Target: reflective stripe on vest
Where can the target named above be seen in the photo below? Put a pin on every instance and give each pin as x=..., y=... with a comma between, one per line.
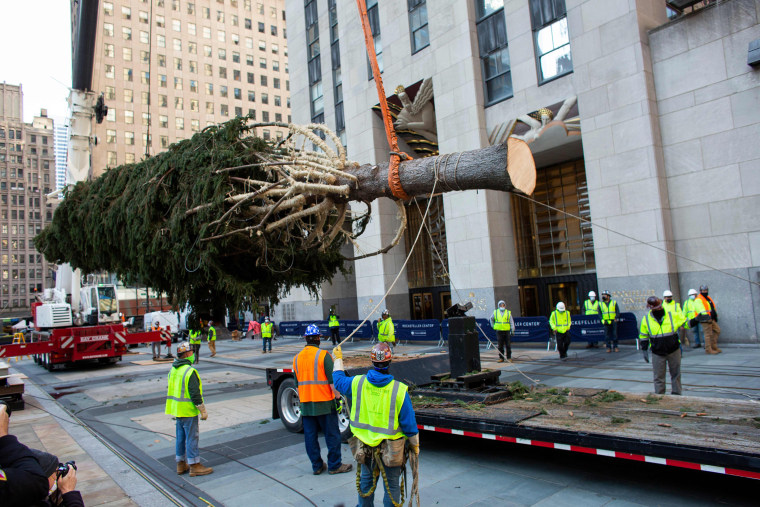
x=591, y=308
x=178, y=401
x=195, y=337
x=266, y=330
x=211, y=334
x=312, y=380
x=333, y=321
x=693, y=307
x=385, y=330
x=377, y=422
x=672, y=307
x=501, y=322
x=608, y=311
x=563, y=326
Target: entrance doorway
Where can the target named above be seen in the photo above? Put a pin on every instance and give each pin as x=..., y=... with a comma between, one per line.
x=429, y=302
x=539, y=296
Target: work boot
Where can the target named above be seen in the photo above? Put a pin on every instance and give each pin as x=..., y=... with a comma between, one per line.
x=198, y=469
x=617, y=349
x=321, y=469
x=182, y=467
x=345, y=467
x=501, y=360
x=609, y=350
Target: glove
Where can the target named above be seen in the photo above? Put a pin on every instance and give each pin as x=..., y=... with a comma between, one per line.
x=202, y=409
x=693, y=322
x=414, y=444
x=714, y=315
x=337, y=352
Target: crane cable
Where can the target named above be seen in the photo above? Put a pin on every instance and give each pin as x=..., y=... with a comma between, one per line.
x=394, y=180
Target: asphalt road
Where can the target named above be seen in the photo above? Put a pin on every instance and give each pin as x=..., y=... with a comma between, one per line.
x=257, y=462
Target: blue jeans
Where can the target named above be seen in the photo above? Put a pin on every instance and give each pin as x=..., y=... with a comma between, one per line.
x=187, y=440
x=329, y=425
x=265, y=342
x=696, y=334
x=394, y=484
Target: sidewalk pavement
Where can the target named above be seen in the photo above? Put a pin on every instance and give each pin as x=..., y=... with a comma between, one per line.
x=44, y=425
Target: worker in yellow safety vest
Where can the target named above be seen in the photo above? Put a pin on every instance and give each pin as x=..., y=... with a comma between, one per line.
x=267, y=330
x=659, y=332
x=334, y=324
x=504, y=325
x=386, y=332
x=211, y=338
x=591, y=307
x=195, y=343
x=184, y=401
x=675, y=307
x=609, y=312
x=559, y=322
x=382, y=420
x=693, y=308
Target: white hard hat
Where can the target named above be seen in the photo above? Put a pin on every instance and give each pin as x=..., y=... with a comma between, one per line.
x=501, y=303
x=692, y=292
x=667, y=294
x=592, y=293
x=561, y=306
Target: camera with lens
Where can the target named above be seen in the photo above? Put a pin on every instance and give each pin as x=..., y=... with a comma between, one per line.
x=63, y=468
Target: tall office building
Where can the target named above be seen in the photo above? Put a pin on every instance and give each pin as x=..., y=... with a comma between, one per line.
x=640, y=118
x=61, y=140
x=27, y=173
x=169, y=68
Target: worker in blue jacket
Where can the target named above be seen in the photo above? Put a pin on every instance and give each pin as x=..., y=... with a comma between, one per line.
x=392, y=419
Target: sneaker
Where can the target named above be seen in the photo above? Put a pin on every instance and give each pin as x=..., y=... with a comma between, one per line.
x=345, y=467
x=321, y=469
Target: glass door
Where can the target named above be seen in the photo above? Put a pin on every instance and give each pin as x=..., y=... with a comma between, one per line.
x=567, y=292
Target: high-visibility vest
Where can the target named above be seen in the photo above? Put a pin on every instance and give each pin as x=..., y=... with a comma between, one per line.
x=692, y=308
x=608, y=311
x=178, y=402
x=310, y=373
x=386, y=332
x=195, y=337
x=651, y=329
x=333, y=321
x=706, y=303
x=266, y=330
x=375, y=410
x=673, y=306
x=211, y=334
x=501, y=320
x=591, y=308
x=560, y=321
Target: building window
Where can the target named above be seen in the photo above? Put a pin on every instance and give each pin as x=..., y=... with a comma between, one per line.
x=374, y=23
x=177, y=44
x=191, y=28
x=265, y=116
x=223, y=91
x=110, y=136
x=314, y=62
x=143, y=16
x=418, y=24
x=108, y=50
x=160, y=21
x=251, y=96
x=179, y=123
x=237, y=93
x=224, y=110
x=145, y=77
x=129, y=117
x=552, y=41
x=235, y=57
x=111, y=162
x=126, y=33
x=262, y=27
x=108, y=8
x=265, y=98
x=128, y=75
x=126, y=54
x=146, y=96
x=176, y=25
x=129, y=138
x=163, y=101
x=163, y=121
x=263, y=80
x=110, y=71
x=161, y=40
x=129, y=96
x=126, y=13
x=494, y=53
x=108, y=29
x=144, y=37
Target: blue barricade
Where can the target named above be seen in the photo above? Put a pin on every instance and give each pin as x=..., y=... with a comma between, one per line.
x=298, y=328
x=589, y=328
x=417, y=330
x=292, y=328
x=485, y=327
x=531, y=329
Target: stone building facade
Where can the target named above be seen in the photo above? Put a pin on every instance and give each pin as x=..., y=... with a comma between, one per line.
x=27, y=173
x=642, y=123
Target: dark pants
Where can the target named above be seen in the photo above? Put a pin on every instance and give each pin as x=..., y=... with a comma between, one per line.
x=335, y=335
x=393, y=490
x=504, y=340
x=196, y=350
x=563, y=342
x=610, y=334
x=329, y=425
x=673, y=363
x=267, y=342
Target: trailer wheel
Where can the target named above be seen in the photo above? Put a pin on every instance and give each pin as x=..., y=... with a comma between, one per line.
x=289, y=406
x=344, y=418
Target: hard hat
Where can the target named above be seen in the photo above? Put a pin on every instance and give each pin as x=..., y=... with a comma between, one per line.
x=704, y=288
x=606, y=293
x=654, y=303
x=667, y=294
x=561, y=306
x=311, y=330
x=266, y=319
x=183, y=347
x=692, y=292
x=592, y=293
x=386, y=312
x=501, y=303
x=381, y=353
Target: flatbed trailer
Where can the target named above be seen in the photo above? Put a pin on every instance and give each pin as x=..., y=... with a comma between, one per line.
x=67, y=346
x=706, y=434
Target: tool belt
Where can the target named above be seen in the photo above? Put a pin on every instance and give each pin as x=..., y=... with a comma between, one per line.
x=703, y=317
x=391, y=451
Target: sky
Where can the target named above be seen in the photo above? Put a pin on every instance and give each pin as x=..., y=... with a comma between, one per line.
x=35, y=37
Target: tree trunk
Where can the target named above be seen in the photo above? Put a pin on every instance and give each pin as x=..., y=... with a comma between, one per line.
x=506, y=167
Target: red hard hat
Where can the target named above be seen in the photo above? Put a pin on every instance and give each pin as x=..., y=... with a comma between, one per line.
x=381, y=353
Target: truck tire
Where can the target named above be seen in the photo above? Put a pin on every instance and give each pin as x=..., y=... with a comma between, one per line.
x=288, y=406
x=344, y=417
